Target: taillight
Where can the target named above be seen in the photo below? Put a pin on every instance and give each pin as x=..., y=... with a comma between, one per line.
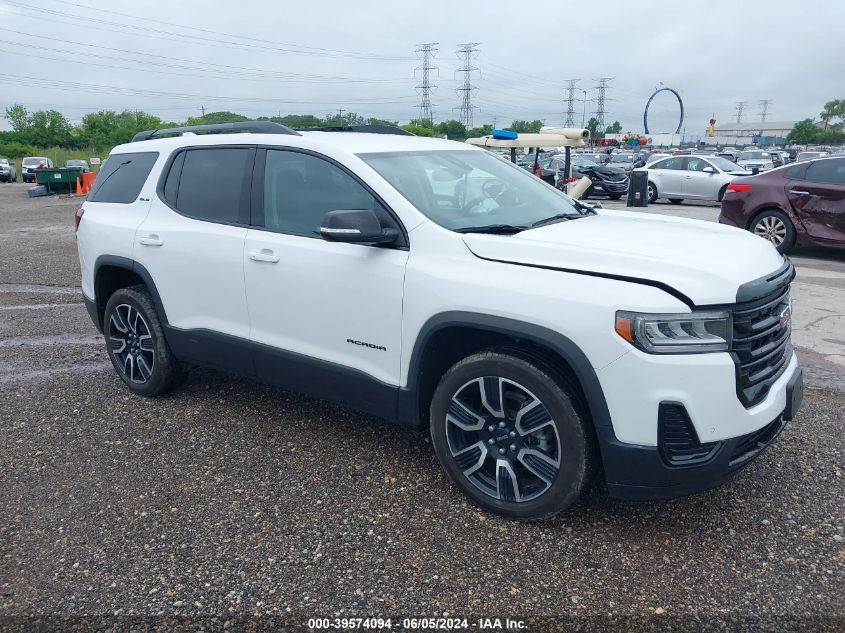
x=77, y=218
x=738, y=187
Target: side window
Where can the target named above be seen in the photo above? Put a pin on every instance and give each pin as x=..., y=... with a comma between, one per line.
x=830, y=171
x=171, y=185
x=676, y=162
x=696, y=164
x=122, y=177
x=299, y=189
x=211, y=184
x=796, y=171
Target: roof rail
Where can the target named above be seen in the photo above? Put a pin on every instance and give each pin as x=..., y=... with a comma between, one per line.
x=367, y=129
x=256, y=127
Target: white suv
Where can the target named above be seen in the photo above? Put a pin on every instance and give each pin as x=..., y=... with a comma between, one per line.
x=540, y=341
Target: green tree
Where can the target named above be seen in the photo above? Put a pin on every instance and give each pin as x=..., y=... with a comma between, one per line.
x=593, y=126
x=614, y=128
x=415, y=127
x=49, y=127
x=833, y=109
x=451, y=129
x=484, y=130
x=803, y=133
x=213, y=118
x=106, y=128
x=526, y=126
x=18, y=117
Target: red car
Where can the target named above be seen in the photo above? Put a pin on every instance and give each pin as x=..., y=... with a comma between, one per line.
x=803, y=203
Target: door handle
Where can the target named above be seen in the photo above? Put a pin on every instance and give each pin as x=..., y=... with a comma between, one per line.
x=264, y=255
x=150, y=240
x=799, y=193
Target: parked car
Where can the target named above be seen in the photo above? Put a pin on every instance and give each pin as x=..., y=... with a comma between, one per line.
x=655, y=157
x=7, y=171
x=755, y=159
x=730, y=153
x=79, y=164
x=536, y=340
x=30, y=164
x=621, y=160
x=802, y=203
x=696, y=177
x=809, y=155
x=607, y=181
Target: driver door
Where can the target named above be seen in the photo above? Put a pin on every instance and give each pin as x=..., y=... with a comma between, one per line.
x=699, y=183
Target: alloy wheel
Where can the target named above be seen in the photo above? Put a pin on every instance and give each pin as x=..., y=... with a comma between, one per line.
x=131, y=343
x=503, y=439
x=772, y=228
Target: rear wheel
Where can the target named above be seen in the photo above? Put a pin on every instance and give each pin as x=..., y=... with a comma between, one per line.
x=651, y=192
x=507, y=434
x=616, y=196
x=776, y=227
x=722, y=193
x=676, y=200
x=136, y=344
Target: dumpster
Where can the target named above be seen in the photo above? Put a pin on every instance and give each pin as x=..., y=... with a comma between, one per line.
x=638, y=189
x=58, y=180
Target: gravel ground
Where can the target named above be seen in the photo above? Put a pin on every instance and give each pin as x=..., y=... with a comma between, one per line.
x=236, y=501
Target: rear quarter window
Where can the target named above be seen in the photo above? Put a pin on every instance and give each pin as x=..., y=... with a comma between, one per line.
x=122, y=177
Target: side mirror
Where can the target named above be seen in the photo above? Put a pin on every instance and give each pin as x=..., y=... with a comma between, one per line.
x=356, y=226
x=709, y=170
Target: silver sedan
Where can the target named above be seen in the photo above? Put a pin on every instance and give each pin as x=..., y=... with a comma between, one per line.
x=690, y=177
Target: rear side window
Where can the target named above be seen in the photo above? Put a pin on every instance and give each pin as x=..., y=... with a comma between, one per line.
x=122, y=177
x=211, y=184
x=796, y=171
x=829, y=170
x=676, y=162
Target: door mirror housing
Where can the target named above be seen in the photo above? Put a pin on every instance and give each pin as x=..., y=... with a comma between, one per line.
x=356, y=226
x=709, y=170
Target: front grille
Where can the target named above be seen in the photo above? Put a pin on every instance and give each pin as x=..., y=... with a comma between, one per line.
x=761, y=345
x=677, y=439
x=750, y=445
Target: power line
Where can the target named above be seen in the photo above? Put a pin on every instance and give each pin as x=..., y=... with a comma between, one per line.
x=740, y=106
x=601, y=97
x=570, y=102
x=426, y=52
x=467, y=51
x=764, y=109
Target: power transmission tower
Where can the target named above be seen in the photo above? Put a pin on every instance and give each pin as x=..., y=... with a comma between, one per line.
x=764, y=109
x=466, y=51
x=740, y=106
x=426, y=52
x=570, y=102
x=601, y=97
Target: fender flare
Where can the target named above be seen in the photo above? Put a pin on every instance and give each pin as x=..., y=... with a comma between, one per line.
x=131, y=265
x=563, y=346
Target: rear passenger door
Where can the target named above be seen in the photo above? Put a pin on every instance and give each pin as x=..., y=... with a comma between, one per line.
x=192, y=244
x=326, y=316
x=819, y=198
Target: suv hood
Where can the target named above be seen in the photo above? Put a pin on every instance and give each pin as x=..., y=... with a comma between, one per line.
x=704, y=261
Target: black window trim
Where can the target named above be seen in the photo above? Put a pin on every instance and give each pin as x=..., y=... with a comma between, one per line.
x=95, y=189
x=244, y=210
x=257, y=214
x=813, y=163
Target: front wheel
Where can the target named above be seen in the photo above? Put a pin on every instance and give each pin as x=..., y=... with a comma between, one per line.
x=651, y=192
x=508, y=435
x=776, y=227
x=136, y=344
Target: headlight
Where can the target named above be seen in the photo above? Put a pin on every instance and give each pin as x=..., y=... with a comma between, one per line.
x=691, y=333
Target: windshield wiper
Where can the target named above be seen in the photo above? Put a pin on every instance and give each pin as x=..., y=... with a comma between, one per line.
x=494, y=229
x=560, y=217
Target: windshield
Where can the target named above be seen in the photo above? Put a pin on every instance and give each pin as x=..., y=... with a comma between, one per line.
x=33, y=162
x=622, y=158
x=583, y=162
x=461, y=189
x=806, y=155
x=724, y=164
x=753, y=155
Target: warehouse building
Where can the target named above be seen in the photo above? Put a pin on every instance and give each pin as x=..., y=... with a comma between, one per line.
x=758, y=132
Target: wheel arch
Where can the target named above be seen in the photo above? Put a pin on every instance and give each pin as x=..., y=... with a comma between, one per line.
x=112, y=272
x=448, y=337
x=769, y=206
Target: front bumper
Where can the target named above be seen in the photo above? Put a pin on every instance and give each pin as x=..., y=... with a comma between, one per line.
x=642, y=472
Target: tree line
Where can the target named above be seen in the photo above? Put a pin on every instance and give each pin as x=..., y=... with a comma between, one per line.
x=830, y=128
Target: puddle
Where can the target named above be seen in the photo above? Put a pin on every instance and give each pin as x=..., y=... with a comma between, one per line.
x=56, y=339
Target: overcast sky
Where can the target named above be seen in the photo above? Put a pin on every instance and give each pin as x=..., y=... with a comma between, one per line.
x=264, y=58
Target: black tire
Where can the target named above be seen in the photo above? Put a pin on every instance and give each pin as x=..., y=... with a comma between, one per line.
x=616, y=196
x=775, y=226
x=676, y=200
x=722, y=193
x=519, y=436
x=651, y=192
x=152, y=370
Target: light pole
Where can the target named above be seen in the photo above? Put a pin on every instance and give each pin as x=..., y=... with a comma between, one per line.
x=584, y=114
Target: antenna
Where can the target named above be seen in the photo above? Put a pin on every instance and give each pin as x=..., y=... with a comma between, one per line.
x=426, y=52
x=764, y=108
x=570, y=102
x=467, y=51
x=740, y=106
x=601, y=97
